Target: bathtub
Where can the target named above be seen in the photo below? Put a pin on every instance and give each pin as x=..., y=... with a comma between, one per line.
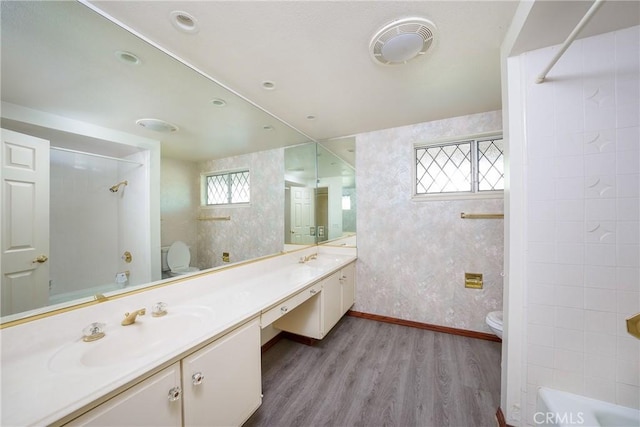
x=559, y=408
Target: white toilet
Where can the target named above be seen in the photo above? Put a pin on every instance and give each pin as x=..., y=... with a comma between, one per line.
x=178, y=258
x=494, y=321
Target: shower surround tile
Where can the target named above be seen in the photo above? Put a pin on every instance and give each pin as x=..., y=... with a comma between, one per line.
x=597, y=217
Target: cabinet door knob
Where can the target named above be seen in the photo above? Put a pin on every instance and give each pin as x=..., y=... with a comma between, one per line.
x=313, y=291
x=284, y=309
x=197, y=378
x=174, y=394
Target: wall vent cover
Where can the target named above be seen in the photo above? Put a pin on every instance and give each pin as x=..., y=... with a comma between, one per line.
x=401, y=41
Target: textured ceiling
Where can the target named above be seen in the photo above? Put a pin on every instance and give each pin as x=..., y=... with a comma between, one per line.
x=317, y=55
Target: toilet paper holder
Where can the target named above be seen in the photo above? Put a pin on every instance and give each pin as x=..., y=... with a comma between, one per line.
x=633, y=325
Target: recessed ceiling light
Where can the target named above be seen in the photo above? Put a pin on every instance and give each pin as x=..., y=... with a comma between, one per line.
x=268, y=85
x=218, y=102
x=401, y=41
x=157, y=125
x=127, y=57
x=184, y=21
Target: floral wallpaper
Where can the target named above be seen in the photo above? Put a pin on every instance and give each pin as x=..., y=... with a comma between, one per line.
x=255, y=230
x=412, y=255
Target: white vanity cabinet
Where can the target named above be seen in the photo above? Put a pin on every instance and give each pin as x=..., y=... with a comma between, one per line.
x=154, y=402
x=315, y=317
x=348, y=286
x=331, y=302
x=222, y=382
x=218, y=385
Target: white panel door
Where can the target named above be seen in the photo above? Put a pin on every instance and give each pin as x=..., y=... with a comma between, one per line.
x=302, y=216
x=24, y=175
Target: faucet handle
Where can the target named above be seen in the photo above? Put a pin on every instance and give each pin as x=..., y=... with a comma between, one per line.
x=93, y=332
x=159, y=309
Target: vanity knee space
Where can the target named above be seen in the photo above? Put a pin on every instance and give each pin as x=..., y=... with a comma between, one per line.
x=315, y=316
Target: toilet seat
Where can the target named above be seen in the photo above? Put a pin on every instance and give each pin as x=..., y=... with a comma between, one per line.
x=494, y=321
x=178, y=259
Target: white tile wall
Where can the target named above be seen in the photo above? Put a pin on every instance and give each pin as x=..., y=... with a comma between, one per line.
x=90, y=227
x=583, y=226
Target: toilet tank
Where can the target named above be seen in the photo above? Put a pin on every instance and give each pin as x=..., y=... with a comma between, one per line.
x=163, y=256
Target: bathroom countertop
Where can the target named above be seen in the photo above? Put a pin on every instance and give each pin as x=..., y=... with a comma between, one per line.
x=35, y=394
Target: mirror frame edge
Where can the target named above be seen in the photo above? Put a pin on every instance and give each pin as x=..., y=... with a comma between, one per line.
x=142, y=288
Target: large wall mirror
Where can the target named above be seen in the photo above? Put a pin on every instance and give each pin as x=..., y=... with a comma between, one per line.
x=335, y=199
x=320, y=196
x=120, y=194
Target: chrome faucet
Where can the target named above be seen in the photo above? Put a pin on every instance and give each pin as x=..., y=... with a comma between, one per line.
x=130, y=318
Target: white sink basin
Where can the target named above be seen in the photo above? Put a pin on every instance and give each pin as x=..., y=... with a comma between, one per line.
x=145, y=338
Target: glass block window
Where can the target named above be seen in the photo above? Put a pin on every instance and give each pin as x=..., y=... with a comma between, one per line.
x=228, y=188
x=461, y=167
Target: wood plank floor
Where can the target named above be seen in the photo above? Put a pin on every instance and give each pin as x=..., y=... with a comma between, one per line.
x=368, y=373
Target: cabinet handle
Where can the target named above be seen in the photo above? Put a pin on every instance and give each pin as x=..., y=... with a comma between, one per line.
x=284, y=309
x=313, y=291
x=197, y=378
x=174, y=394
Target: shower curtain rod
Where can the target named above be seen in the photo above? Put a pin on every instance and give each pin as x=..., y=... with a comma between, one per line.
x=585, y=19
x=68, y=150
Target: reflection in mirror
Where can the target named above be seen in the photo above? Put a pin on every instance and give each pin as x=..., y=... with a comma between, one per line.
x=300, y=183
x=86, y=190
x=336, y=199
x=320, y=195
x=74, y=90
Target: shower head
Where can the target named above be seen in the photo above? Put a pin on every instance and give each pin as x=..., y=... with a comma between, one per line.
x=116, y=187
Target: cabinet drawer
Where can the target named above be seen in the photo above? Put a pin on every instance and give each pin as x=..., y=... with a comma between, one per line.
x=269, y=316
